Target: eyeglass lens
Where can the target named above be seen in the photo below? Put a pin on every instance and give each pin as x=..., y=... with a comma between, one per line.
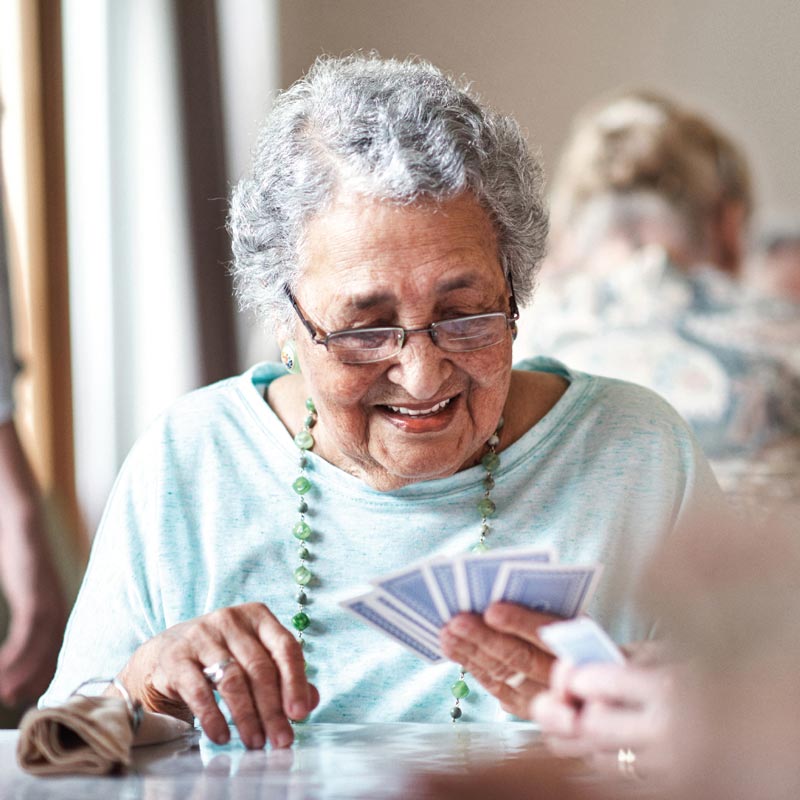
x=455, y=335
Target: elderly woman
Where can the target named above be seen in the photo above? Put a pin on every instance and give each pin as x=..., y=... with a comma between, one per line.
x=389, y=227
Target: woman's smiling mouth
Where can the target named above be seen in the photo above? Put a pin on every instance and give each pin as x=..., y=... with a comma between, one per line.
x=419, y=412
x=419, y=418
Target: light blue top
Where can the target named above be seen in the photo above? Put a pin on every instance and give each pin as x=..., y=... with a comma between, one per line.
x=201, y=516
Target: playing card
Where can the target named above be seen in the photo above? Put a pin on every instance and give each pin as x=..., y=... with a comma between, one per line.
x=408, y=619
x=384, y=620
x=553, y=589
x=581, y=641
x=413, y=604
x=409, y=587
x=475, y=573
x=441, y=581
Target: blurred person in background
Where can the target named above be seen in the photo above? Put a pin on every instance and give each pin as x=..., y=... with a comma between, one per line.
x=650, y=206
x=774, y=267
x=715, y=716
x=28, y=579
x=640, y=169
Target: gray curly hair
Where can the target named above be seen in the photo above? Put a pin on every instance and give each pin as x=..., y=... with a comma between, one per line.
x=400, y=131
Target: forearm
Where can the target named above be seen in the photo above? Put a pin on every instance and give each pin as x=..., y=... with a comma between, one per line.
x=26, y=567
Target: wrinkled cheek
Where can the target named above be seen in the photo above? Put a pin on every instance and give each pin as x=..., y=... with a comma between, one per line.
x=339, y=397
x=350, y=423
x=491, y=381
x=340, y=388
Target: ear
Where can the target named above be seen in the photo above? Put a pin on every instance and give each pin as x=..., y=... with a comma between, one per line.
x=728, y=235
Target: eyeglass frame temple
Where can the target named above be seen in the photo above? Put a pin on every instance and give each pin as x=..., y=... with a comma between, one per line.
x=512, y=300
x=307, y=324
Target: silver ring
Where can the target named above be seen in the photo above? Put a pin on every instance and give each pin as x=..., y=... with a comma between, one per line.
x=516, y=680
x=626, y=762
x=214, y=673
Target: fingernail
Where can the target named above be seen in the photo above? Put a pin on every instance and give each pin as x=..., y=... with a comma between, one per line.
x=257, y=742
x=284, y=739
x=297, y=710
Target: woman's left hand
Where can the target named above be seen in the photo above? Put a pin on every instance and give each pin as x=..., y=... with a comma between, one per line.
x=502, y=651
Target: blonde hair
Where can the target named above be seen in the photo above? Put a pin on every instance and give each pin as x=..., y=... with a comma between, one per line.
x=642, y=146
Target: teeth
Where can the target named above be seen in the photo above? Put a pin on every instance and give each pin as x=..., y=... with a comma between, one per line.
x=418, y=412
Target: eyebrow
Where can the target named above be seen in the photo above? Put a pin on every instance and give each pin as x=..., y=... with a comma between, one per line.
x=366, y=301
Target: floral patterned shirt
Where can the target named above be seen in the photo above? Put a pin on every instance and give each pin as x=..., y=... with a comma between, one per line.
x=728, y=361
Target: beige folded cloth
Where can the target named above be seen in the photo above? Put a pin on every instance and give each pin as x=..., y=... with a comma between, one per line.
x=89, y=736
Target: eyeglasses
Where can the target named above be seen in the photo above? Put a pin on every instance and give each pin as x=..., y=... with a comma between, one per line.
x=458, y=335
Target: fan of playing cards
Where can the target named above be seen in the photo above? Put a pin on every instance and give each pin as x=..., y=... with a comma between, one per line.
x=411, y=606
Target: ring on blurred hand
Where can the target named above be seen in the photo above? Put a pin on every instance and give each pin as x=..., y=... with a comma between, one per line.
x=516, y=680
x=626, y=762
x=214, y=673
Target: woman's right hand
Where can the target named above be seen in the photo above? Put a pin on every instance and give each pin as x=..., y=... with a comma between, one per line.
x=264, y=686
x=595, y=711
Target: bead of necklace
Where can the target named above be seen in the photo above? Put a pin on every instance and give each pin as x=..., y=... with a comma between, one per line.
x=303, y=532
x=486, y=507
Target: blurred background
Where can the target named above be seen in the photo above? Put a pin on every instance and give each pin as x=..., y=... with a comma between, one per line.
x=126, y=122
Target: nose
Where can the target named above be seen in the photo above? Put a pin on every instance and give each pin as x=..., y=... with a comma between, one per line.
x=420, y=368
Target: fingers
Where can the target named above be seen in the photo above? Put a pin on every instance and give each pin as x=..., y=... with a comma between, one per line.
x=267, y=678
x=596, y=727
x=599, y=709
x=555, y=716
x=510, y=668
x=198, y=694
x=612, y=727
x=515, y=697
x=239, y=692
x=263, y=685
x=481, y=649
x=295, y=690
x=612, y=683
x=272, y=661
x=561, y=726
x=560, y=676
x=519, y=621
x=179, y=654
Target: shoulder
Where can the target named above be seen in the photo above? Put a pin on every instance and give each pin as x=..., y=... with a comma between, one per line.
x=612, y=407
x=596, y=388
x=208, y=416
x=197, y=409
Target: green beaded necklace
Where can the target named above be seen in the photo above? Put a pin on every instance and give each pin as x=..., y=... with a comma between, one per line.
x=301, y=530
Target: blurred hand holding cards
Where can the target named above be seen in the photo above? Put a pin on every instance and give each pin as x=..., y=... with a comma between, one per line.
x=412, y=605
x=581, y=641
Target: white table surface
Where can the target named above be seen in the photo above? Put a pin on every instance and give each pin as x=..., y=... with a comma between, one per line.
x=326, y=761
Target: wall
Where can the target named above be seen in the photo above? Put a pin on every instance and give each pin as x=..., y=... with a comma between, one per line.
x=541, y=60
